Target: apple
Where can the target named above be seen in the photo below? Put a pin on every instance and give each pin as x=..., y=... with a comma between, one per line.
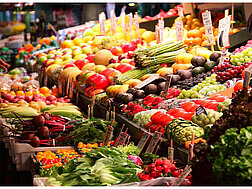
x=86, y=50
x=14, y=100
x=51, y=98
x=20, y=97
x=116, y=51
x=80, y=63
x=90, y=58
x=50, y=56
x=54, y=102
x=77, y=52
x=28, y=98
x=68, y=65
x=9, y=97
x=48, y=102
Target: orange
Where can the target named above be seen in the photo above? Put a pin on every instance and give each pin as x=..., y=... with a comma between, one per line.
x=202, y=30
x=203, y=36
x=188, y=41
x=148, y=36
x=197, y=40
x=77, y=41
x=44, y=90
x=29, y=93
x=67, y=44
x=12, y=93
x=20, y=93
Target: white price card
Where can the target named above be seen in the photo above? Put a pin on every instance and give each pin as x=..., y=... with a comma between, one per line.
x=161, y=30
x=157, y=33
x=102, y=19
x=179, y=29
x=113, y=21
x=181, y=12
x=137, y=24
x=223, y=37
x=130, y=24
x=207, y=21
x=123, y=22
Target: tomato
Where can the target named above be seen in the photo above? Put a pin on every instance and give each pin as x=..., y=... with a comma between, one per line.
x=148, y=125
x=187, y=106
x=238, y=86
x=80, y=63
x=98, y=81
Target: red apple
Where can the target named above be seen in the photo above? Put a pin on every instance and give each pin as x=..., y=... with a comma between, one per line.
x=53, y=102
x=90, y=58
x=80, y=63
x=116, y=51
x=51, y=98
x=68, y=65
x=28, y=98
x=9, y=97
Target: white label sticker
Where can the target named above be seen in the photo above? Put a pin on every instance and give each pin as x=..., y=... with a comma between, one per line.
x=223, y=37
x=179, y=29
x=207, y=21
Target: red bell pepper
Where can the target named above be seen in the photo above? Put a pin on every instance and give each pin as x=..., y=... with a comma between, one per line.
x=124, y=67
x=98, y=81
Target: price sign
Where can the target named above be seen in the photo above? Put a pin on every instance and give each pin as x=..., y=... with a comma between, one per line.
x=181, y=12
x=146, y=82
x=107, y=135
x=145, y=137
x=223, y=37
x=153, y=142
x=179, y=29
x=113, y=21
x=157, y=33
x=167, y=84
x=190, y=150
x=207, y=21
x=137, y=25
x=130, y=24
x=200, y=110
x=123, y=22
x=246, y=79
x=161, y=30
x=171, y=152
x=122, y=138
x=102, y=23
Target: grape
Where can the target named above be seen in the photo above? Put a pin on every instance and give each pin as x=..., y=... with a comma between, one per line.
x=241, y=59
x=239, y=63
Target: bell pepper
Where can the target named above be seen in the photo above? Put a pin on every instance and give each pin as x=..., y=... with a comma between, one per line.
x=98, y=81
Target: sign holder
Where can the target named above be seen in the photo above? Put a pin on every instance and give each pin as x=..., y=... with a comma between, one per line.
x=153, y=143
x=142, y=142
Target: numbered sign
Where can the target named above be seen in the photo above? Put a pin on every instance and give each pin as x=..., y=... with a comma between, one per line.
x=145, y=137
x=107, y=135
x=207, y=21
x=179, y=29
x=200, y=110
x=153, y=142
x=223, y=37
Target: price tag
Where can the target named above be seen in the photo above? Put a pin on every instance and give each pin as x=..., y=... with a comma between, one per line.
x=207, y=21
x=179, y=29
x=113, y=21
x=167, y=84
x=123, y=22
x=190, y=150
x=130, y=25
x=223, y=37
x=102, y=19
x=181, y=12
x=89, y=111
x=137, y=25
x=153, y=142
x=246, y=79
x=161, y=29
x=122, y=138
x=171, y=152
x=107, y=135
x=145, y=137
x=146, y=82
x=200, y=110
x=157, y=33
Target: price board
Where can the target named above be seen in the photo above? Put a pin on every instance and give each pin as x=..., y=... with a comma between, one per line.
x=137, y=25
x=200, y=110
x=223, y=35
x=145, y=137
x=130, y=25
x=107, y=135
x=207, y=21
x=122, y=139
x=153, y=143
x=179, y=29
x=113, y=21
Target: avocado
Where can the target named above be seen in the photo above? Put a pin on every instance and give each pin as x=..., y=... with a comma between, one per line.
x=138, y=94
x=151, y=89
x=214, y=56
x=209, y=65
x=198, y=70
x=198, y=61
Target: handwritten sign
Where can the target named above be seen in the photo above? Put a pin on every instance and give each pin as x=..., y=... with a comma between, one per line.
x=157, y=33
x=122, y=138
x=146, y=82
x=207, y=21
x=130, y=25
x=153, y=142
x=181, y=12
x=246, y=79
x=200, y=110
x=123, y=22
x=179, y=29
x=137, y=25
x=145, y=137
x=223, y=35
x=171, y=152
x=161, y=29
x=107, y=135
x=113, y=21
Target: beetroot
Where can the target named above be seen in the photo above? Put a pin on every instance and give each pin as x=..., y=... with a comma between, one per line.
x=26, y=136
x=35, y=142
x=38, y=121
x=43, y=132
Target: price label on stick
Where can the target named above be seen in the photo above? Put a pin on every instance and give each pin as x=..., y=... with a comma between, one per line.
x=200, y=110
x=157, y=33
x=145, y=137
x=130, y=25
x=181, y=12
x=179, y=29
x=171, y=152
x=167, y=84
x=102, y=19
x=190, y=150
x=223, y=35
x=137, y=25
x=122, y=138
x=123, y=22
x=116, y=140
x=161, y=29
x=246, y=80
x=107, y=135
x=113, y=21
x=153, y=142
x=207, y=21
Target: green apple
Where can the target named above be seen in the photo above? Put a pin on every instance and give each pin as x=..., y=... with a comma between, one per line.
x=76, y=52
x=86, y=50
x=50, y=56
x=41, y=59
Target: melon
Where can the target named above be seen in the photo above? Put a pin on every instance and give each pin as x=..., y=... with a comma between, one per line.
x=102, y=57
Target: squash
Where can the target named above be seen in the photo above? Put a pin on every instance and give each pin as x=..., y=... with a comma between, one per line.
x=180, y=67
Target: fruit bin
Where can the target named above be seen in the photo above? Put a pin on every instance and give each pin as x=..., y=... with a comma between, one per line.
x=23, y=151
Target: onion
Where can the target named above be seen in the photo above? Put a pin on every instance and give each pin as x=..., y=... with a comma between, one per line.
x=43, y=132
x=35, y=142
x=38, y=121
